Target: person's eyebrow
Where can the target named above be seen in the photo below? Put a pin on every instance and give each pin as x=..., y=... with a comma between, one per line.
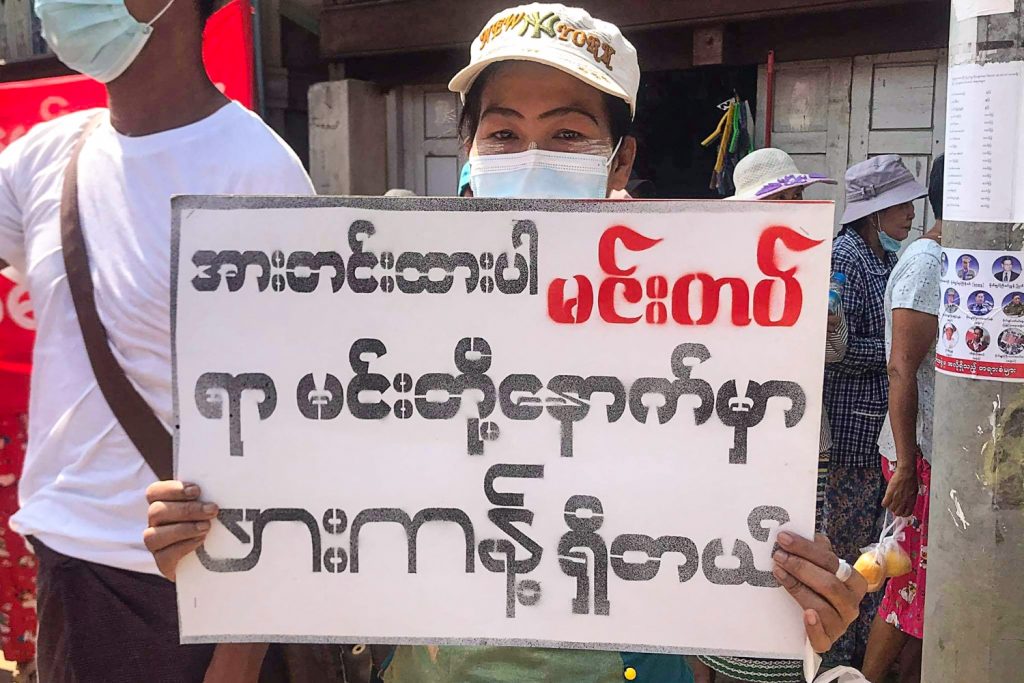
x=502, y=111
x=562, y=111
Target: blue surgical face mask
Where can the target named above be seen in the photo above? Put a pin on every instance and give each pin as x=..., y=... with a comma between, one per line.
x=540, y=174
x=99, y=38
x=890, y=244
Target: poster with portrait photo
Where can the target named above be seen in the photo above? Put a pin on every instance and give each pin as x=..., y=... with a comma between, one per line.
x=949, y=335
x=1011, y=341
x=981, y=317
x=967, y=267
x=1006, y=268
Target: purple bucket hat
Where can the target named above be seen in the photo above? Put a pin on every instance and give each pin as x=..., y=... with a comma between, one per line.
x=877, y=184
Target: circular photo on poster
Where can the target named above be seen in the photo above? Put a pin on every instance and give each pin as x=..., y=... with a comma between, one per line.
x=1011, y=341
x=1013, y=304
x=1006, y=268
x=951, y=300
x=944, y=260
x=949, y=335
x=978, y=339
x=980, y=303
x=967, y=267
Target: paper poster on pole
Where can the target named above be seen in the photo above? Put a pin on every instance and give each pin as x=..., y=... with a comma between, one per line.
x=981, y=323
x=984, y=176
x=564, y=424
x=969, y=9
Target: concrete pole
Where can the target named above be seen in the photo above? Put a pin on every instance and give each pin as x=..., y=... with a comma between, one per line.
x=974, y=613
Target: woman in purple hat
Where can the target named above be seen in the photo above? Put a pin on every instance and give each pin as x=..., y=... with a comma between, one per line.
x=879, y=212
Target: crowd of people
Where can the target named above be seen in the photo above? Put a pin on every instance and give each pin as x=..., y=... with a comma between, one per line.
x=543, y=118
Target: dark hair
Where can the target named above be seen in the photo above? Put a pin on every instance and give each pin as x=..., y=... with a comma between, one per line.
x=935, y=185
x=206, y=9
x=619, y=119
x=859, y=224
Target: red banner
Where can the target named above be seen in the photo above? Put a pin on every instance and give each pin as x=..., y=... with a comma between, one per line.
x=981, y=369
x=227, y=52
x=17, y=325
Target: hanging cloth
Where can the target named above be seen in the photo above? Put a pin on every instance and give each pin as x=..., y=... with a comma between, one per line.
x=723, y=133
x=734, y=134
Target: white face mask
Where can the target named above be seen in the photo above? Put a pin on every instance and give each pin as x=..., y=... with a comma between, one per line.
x=99, y=38
x=540, y=174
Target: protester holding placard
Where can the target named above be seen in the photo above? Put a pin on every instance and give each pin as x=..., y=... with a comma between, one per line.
x=878, y=216
x=85, y=215
x=549, y=94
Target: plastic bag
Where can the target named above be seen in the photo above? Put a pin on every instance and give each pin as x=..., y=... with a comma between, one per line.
x=885, y=559
x=897, y=560
x=871, y=565
x=842, y=674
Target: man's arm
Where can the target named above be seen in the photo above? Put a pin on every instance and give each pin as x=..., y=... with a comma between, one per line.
x=912, y=335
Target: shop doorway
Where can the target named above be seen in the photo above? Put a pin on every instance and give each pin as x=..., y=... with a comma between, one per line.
x=676, y=111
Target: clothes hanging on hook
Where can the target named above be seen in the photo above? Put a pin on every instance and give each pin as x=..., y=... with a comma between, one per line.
x=735, y=137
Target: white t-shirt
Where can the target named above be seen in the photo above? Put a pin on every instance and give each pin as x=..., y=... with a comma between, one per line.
x=915, y=284
x=83, y=488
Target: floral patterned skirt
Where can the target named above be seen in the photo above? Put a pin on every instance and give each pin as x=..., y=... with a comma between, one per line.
x=17, y=563
x=903, y=604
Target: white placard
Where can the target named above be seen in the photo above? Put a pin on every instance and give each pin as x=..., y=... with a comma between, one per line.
x=982, y=176
x=614, y=394
x=981, y=324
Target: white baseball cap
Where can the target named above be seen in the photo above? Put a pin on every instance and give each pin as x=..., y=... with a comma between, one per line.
x=767, y=171
x=566, y=38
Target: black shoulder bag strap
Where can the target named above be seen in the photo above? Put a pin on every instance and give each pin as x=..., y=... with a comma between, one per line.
x=137, y=418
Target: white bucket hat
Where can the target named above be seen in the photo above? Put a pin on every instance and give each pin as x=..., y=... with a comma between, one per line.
x=566, y=38
x=767, y=171
x=877, y=184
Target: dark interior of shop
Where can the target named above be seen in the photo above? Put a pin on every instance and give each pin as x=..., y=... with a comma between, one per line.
x=678, y=109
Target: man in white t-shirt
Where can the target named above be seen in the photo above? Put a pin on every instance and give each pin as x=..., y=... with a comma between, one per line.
x=912, y=302
x=105, y=612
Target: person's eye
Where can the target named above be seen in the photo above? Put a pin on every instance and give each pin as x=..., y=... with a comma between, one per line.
x=502, y=135
x=569, y=135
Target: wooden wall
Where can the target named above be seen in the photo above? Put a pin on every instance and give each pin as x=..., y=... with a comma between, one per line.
x=19, y=39
x=921, y=25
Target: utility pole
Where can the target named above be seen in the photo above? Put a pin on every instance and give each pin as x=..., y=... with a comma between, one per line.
x=974, y=614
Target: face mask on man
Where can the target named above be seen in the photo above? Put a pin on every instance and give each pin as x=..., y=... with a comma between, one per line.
x=541, y=174
x=99, y=38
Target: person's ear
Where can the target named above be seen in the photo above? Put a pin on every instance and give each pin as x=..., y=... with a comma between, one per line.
x=622, y=164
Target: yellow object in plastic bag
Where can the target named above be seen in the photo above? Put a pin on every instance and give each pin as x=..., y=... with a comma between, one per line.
x=885, y=559
x=897, y=560
x=871, y=565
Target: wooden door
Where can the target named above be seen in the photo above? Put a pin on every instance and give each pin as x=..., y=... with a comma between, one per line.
x=811, y=118
x=898, y=106
x=424, y=153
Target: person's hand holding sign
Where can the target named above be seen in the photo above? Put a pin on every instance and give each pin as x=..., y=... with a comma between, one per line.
x=179, y=522
x=810, y=571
